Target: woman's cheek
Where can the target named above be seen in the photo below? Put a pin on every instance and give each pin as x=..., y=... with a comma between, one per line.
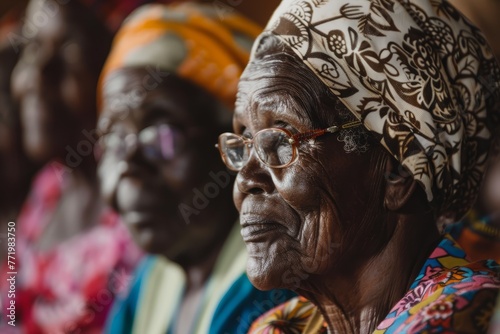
x=320, y=237
x=299, y=187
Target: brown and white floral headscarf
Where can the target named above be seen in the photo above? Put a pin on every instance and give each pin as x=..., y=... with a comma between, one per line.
x=419, y=76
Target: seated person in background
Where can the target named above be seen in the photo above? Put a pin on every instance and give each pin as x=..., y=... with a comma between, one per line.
x=72, y=253
x=168, y=89
x=15, y=169
x=357, y=124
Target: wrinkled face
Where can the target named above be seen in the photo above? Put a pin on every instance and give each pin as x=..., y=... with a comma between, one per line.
x=55, y=78
x=304, y=220
x=165, y=203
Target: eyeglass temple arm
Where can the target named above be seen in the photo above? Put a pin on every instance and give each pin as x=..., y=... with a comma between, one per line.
x=316, y=133
x=336, y=128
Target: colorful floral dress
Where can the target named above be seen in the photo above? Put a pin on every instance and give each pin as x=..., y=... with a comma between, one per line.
x=70, y=287
x=450, y=295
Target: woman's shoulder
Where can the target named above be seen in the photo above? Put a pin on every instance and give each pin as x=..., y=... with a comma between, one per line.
x=458, y=300
x=450, y=294
x=293, y=316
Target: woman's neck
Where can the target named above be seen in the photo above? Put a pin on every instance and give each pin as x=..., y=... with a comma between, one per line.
x=199, y=263
x=197, y=274
x=358, y=300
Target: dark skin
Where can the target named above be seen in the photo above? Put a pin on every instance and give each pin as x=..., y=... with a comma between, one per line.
x=319, y=227
x=147, y=194
x=54, y=83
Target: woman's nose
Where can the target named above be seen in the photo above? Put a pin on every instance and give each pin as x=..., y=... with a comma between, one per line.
x=133, y=156
x=254, y=177
x=131, y=146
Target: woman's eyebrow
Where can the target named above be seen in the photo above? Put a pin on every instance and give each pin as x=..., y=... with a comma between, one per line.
x=275, y=99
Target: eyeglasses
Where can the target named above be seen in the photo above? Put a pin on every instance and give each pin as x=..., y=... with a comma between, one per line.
x=275, y=147
x=160, y=142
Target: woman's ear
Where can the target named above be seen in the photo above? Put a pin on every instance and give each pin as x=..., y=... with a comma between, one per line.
x=400, y=187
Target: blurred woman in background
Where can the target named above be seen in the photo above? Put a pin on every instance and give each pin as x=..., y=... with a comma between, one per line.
x=73, y=255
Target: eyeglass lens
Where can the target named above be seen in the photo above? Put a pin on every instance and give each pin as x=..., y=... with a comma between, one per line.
x=235, y=150
x=157, y=142
x=272, y=146
x=160, y=142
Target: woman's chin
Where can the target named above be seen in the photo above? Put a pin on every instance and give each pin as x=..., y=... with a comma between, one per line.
x=265, y=275
x=150, y=240
x=146, y=241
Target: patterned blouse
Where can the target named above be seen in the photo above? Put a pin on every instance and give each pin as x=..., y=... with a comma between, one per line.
x=449, y=295
x=70, y=287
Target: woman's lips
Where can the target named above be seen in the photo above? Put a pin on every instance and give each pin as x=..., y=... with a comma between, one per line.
x=260, y=230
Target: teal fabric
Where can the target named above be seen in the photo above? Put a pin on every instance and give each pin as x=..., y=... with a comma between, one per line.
x=239, y=307
x=121, y=316
x=242, y=304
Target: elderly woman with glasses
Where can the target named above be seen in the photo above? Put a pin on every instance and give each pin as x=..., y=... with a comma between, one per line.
x=357, y=125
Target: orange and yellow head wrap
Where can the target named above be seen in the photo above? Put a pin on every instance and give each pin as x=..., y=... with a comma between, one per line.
x=196, y=42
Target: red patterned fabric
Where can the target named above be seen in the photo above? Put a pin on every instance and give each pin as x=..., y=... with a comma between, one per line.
x=72, y=285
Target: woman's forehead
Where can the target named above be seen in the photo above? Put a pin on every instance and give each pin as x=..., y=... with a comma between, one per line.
x=285, y=86
x=124, y=79
x=269, y=99
x=127, y=92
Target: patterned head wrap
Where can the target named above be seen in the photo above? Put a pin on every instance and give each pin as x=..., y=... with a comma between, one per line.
x=194, y=41
x=417, y=75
